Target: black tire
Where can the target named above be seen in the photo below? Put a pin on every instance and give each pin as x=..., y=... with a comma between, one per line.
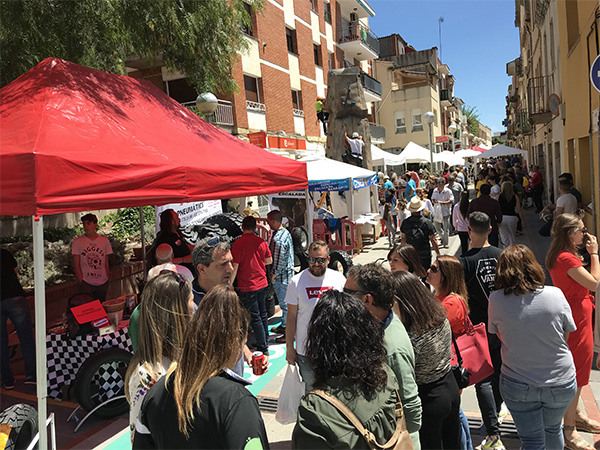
x=23, y=422
x=88, y=390
x=340, y=261
x=300, y=262
x=300, y=239
x=231, y=223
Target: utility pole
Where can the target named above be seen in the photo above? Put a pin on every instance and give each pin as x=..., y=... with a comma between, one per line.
x=440, y=21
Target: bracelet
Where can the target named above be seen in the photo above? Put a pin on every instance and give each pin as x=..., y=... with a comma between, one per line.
x=594, y=253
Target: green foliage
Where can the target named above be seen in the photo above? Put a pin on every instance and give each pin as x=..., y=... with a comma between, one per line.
x=497, y=140
x=51, y=234
x=126, y=223
x=473, y=117
x=198, y=37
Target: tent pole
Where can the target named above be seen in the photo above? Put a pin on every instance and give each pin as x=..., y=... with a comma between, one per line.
x=351, y=202
x=309, y=216
x=40, y=327
x=143, y=235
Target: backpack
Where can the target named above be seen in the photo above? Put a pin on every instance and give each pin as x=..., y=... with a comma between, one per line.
x=74, y=328
x=416, y=237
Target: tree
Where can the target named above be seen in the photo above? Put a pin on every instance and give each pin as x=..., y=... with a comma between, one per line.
x=498, y=140
x=470, y=112
x=200, y=38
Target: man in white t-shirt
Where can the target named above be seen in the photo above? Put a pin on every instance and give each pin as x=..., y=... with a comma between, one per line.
x=90, y=259
x=355, y=144
x=303, y=293
x=567, y=202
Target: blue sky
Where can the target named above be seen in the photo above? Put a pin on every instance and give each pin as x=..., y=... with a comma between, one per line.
x=478, y=39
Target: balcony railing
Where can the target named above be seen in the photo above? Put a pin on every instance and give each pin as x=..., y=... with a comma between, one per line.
x=371, y=83
x=357, y=31
x=223, y=114
x=445, y=95
x=538, y=105
x=377, y=131
x=298, y=112
x=255, y=106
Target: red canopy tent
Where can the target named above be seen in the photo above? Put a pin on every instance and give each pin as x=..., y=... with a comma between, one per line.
x=75, y=139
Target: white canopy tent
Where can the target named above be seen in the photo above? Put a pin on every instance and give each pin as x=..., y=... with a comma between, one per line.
x=414, y=153
x=449, y=158
x=380, y=157
x=467, y=153
x=502, y=150
x=326, y=174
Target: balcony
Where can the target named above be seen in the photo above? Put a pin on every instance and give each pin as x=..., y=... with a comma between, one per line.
x=538, y=100
x=514, y=68
x=424, y=59
x=359, y=7
x=373, y=88
x=524, y=124
x=357, y=42
x=255, y=106
x=223, y=114
x=445, y=97
x=377, y=133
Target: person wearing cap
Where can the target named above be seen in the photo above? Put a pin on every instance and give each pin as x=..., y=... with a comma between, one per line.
x=356, y=145
x=387, y=184
x=90, y=259
x=419, y=232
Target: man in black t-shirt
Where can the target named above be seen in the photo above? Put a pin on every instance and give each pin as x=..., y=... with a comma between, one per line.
x=13, y=306
x=419, y=232
x=479, y=264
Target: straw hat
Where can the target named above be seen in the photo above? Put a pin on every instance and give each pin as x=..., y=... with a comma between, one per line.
x=415, y=205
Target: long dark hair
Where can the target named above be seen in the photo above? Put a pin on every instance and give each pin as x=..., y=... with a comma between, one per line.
x=420, y=311
x=344, y=340
x=410, y=256
x=166, y=221
x=464, y=203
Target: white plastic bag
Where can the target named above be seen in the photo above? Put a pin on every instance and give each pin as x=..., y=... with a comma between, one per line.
x=438, y=214
x=292, y=391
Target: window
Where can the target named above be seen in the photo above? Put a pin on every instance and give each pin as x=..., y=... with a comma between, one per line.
x=552, y=63
x=327, y=12
x=400, y=122
x=290, y=36
x=313, y=5
x=330, y=60
x=251, y=87
x=572, y=24
x=417, y=120
x=297, y=100
x=247, y=27
x=317, y=54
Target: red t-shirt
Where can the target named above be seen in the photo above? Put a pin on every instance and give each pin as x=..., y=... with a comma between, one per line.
x=579, y=297
x=250, y=252
x=456, y=313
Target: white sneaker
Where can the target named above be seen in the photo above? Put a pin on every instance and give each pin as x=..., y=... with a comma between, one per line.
x=503, y=413
x=491, y=442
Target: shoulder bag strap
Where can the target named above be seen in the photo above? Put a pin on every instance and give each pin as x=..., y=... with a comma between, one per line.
x=366, y=434
x=457, y=351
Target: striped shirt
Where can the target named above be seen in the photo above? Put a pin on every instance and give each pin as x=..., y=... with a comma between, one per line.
x=282, y=250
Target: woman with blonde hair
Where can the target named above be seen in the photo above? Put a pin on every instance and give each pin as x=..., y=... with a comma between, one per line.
x=201, y=403
x=565, y=265
x=164, y=312
x=532, y=319
x=510, y=204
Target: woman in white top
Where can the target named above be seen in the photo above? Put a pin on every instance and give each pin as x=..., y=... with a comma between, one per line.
x=460, y=220
x=166, y=307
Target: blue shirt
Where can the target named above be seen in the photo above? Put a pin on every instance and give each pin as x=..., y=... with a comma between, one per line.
x=282, y=250
x=411, y=186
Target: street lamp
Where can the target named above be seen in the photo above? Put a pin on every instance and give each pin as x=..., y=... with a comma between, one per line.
x=207, y=104
x=429, y=119
x=452, y=130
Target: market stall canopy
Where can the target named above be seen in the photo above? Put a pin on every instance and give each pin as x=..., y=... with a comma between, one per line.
x=381, y=157
x=415, y=153
x=449, y=158
x=76, y=139
x=502, y=150
x=326, y=174
x=467, y=153
x=479, y=149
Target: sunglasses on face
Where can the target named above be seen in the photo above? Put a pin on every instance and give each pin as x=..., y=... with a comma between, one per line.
x=352, y=291
x=434, y=268
x=583, y=230
x=313, y=260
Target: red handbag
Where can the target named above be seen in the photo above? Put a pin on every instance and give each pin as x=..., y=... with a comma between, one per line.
x=474, y=350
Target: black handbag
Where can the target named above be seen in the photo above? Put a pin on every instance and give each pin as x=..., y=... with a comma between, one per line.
x=460, y=373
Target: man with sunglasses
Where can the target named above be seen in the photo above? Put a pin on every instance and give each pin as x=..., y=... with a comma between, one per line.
x=303, y=293
x=374, y=286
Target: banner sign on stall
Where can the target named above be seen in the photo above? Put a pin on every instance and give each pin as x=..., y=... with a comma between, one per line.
x=329, y=185
x=193, y=213
x=360, y=183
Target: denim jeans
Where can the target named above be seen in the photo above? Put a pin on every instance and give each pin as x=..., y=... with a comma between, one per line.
x=255, y=303
x=488, y=390
x=443, y=228
x=538, y=412
x=465, y=437
x=280, y=291
x=306, y=371
x=16, y=309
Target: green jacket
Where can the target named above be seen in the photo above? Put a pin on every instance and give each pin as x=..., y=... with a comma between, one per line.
x=401, y=359
x=320, y=425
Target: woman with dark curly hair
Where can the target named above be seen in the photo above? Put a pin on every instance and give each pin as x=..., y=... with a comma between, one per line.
x=405, y=257
x=430, y=333
x=345, y=347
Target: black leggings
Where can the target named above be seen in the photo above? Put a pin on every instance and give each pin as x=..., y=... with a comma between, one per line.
x=464, y=241
x=440, y=423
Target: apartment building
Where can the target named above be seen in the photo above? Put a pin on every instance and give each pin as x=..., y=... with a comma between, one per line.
x=292, y=44
x=552, y=108
x=415, y=82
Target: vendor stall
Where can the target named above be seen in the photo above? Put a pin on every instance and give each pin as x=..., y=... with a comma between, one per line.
x=76, y=139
